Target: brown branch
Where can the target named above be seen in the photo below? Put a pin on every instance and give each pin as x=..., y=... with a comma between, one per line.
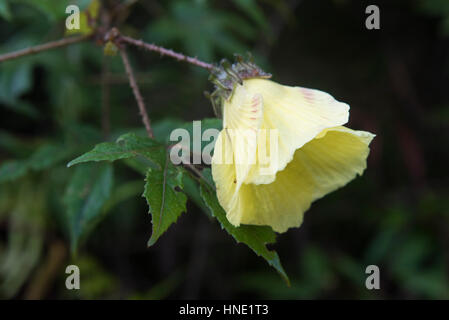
x=166, y=52
x=42, y=47
x=137, y=95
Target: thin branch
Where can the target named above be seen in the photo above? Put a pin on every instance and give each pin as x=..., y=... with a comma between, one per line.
x=137, y=95
x=166, y=52
x=42, y=47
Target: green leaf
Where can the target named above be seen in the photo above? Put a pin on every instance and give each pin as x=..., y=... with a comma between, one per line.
x=255, y=237
x=127, y=146
x=164, y=127
x=251, y=8
x=87, y=192
x=431, y=283
x=5, y=12
x=44, y=157
x=13, y=145
x=48, y=155
x=190, y=25
x=123, y=192
x=13, y=169
x=164, y=197
x=381, y=245
x=192, y=190
x=54, y=9
x=15, y=80
x=139, y=165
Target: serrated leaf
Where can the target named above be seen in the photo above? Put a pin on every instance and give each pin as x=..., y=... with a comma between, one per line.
x=255, y=237
x=86, y=194
x=127, y=146
x=164, y=197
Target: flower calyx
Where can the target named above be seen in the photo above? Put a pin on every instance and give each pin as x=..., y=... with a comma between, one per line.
x=225, y=76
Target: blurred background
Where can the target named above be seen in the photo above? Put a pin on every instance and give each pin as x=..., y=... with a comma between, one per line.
x=58, y=104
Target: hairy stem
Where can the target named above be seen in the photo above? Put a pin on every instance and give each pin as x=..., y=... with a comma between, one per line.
x=166, y=52
x=136, y=91
x=42, y=47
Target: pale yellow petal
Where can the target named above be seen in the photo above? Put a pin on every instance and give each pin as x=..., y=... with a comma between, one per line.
x=244, y=110
x=335, y=158
x=224, y=174
x=280, y=204
x=319, y=167
x=242, y=118
x=298, y=114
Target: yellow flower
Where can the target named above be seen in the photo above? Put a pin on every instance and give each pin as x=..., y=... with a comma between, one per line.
x=313, y=153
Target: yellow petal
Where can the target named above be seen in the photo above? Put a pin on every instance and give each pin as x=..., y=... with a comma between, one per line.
x=243, y=110
x=335, y=158
x=319, y=167
x=242, y=118
x=298, y=114
x=224, y=175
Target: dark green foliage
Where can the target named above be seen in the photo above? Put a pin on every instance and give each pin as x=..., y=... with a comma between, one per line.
x=164, y=197
x=127, y=146
x=395, y=216
x=87, y=192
